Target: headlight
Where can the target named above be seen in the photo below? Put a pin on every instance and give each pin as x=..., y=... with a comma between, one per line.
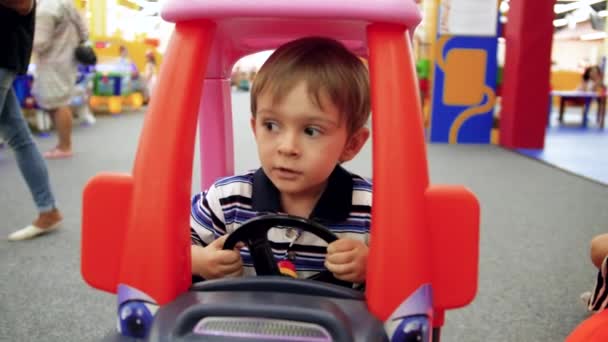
x=413, y=329
x=135, y=319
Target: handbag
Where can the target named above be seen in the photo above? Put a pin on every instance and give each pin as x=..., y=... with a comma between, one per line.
x=85, y=55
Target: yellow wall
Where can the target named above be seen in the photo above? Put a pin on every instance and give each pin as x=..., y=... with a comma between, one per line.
x=565, y=80
x=80, y=4
x=137, y=51
x=98, y=33
x=97, y=21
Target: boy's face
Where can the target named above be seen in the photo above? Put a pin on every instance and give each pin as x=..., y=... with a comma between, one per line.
x=299, y=144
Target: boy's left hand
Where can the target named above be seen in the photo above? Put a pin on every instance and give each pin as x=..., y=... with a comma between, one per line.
x=347, y=260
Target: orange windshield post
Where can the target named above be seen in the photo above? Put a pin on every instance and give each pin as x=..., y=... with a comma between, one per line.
x=399, y=245
x=156, y=258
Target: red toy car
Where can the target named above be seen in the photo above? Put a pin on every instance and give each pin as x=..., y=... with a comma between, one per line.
x=410, y=282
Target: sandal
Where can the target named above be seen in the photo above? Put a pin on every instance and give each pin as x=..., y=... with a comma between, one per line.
x=56, y=153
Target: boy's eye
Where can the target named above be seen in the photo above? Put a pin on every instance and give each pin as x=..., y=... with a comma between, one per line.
x=270, y=126
x=312, y=131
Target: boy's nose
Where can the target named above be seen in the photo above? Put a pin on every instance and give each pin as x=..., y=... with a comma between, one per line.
x=289, y=145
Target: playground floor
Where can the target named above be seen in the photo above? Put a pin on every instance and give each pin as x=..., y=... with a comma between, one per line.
x=572, y=148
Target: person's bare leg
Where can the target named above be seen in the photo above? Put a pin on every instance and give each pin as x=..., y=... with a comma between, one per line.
x=63, y=124
x=599, y=249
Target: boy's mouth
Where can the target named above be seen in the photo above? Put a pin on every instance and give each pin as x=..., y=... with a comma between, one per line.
x=285, y=173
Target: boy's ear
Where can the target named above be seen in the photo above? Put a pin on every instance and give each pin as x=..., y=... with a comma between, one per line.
x=354, y=144
x=252, y=123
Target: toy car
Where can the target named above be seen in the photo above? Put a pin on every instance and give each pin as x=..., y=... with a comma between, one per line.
x=115, y=85
x=135, y=240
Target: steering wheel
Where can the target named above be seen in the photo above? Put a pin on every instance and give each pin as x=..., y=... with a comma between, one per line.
x=254, y=233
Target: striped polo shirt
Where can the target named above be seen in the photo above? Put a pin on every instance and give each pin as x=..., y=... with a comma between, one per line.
x=344, y=208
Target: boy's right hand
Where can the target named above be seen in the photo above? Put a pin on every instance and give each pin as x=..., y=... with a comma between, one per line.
x=213, y=262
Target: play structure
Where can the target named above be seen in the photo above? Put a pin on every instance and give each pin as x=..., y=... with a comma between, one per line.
x=135, y=237
x=118, y=81
x=115, y=85
x=36, y=117
x=81, y=95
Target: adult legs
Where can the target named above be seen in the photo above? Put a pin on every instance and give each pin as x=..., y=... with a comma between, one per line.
x=52, y=89
x=16, y=133
x=562, y=106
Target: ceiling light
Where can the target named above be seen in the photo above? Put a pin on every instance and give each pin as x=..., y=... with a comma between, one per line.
x=562, y=8
x=560, y=22
x=593, y=36
x=504, y=7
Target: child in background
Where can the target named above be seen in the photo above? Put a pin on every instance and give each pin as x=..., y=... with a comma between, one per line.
x=592, y=79
x=597, y=299
x=309, y=103
x=149, y=75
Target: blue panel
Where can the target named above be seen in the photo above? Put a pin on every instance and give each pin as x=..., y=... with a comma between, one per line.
x=476, y=129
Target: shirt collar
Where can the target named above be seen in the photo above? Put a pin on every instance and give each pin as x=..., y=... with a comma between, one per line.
x=333, y=206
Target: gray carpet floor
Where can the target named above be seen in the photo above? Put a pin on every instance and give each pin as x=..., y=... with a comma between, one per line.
x=535, y=229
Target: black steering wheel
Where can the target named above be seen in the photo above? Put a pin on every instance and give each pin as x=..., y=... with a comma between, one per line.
x=254, y=233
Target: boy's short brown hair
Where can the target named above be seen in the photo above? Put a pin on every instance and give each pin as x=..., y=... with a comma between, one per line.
x=326, y=66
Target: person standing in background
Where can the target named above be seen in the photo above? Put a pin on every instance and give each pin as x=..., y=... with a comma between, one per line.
x=17, y=18
x=592, y=79
x=59, y=30
x=125, y=62
x=149, y=75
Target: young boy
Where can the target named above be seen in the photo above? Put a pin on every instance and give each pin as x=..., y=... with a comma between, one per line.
x=309, y=103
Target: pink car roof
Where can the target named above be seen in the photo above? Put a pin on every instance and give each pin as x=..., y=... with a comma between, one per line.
x=248, y=26
x=388, y=11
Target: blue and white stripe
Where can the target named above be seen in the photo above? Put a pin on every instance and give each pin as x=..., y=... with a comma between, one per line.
x=227, y=205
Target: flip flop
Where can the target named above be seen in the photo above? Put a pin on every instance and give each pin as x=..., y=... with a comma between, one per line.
x=57, y=154
x=31, y=231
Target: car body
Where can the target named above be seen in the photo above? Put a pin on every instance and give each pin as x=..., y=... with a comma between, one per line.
x=414, y=227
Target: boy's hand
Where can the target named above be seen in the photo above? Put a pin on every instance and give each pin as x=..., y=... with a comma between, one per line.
x=213, y=262
x=347, y=260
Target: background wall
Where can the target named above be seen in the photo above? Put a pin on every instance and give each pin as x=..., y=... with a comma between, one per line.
x=568, y=54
